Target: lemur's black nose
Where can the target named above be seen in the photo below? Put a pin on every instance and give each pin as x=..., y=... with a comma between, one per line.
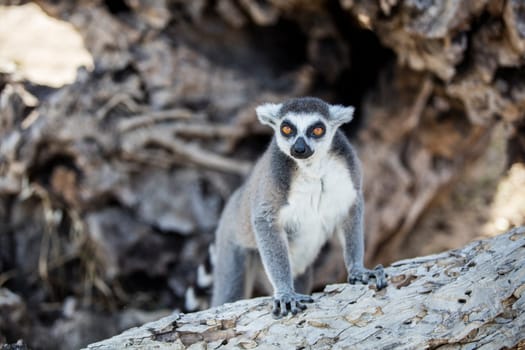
x=300, y=149
x=300, y=146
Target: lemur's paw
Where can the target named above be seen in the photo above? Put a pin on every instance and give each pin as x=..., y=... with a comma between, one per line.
x=364, y=275
x=289, y=302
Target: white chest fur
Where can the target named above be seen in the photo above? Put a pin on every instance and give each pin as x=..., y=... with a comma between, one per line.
x=319, y=200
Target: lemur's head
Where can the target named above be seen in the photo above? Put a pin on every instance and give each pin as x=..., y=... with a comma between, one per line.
x=304, y=127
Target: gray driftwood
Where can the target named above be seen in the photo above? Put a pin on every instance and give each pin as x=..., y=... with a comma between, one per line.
x=471, y=298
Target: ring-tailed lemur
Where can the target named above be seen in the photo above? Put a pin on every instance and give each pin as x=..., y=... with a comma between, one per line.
x=305, y=187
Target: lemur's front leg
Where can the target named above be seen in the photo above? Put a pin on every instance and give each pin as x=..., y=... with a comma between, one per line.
x=353, y=234
x=273, y=249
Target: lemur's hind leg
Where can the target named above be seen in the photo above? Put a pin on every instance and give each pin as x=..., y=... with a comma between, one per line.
x=303, y=283
x=229, y=274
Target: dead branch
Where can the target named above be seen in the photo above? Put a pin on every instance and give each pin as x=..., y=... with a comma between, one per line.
x=475, y=296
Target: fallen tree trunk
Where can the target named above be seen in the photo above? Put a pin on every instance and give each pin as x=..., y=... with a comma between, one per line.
x=468, y=298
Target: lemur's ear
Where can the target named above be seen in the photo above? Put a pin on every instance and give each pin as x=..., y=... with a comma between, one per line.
x=267, y=113
x=341, y=114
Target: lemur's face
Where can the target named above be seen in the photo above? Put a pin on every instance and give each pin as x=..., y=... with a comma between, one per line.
x=302, y=135
x=304, y=127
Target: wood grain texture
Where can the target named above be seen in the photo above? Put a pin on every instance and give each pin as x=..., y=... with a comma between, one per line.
x=470, y=298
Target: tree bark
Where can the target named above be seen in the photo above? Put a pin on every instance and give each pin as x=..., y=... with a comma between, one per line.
x=467, y=298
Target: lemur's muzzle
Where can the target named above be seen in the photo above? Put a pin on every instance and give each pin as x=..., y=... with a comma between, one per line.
x=300, y=149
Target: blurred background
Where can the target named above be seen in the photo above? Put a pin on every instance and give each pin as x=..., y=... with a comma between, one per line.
x=126, y=124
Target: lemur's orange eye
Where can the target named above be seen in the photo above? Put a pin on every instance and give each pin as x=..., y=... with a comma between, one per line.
x=318, y=131
x=286, y=129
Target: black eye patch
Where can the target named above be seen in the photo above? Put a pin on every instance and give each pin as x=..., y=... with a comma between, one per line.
x=287, y=129
x=316, y=130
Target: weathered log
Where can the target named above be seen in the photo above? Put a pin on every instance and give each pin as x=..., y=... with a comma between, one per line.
x=467, y=298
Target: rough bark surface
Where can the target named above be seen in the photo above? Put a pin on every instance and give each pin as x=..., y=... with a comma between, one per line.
x=470, y=298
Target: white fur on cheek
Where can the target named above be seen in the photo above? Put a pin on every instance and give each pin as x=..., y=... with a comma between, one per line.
x=302, y=122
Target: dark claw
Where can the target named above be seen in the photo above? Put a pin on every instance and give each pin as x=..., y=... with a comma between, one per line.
x=294, y=307
x=358, y=276
x=380, y=277
x=303, y=298
x=364, y=275
x=276, y=310
x=365, y=278
x=289, y=302
x=285, y=307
